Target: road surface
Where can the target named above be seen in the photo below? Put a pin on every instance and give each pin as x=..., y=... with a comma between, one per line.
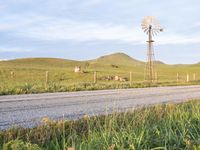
x=27, y=110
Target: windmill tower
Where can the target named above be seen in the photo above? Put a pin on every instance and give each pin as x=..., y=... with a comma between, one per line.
x=151, y=27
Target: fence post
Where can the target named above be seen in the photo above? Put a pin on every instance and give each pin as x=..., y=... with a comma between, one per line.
x=12, y=74
x=188, y=78
x=194, y=76
x=156, y=77
x=46, y=78
x=95, y=77
x=130, y=78
x=177, y=77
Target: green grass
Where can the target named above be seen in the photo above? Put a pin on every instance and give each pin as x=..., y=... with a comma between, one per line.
x=160, y=127
x=29, y=74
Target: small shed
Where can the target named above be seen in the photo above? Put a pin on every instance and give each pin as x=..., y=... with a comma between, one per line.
x=116, y=78
x=77, y=69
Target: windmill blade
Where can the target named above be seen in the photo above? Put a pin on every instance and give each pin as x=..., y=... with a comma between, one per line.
x=144, y=27
x=158, y=30
x=147, y=29
x=151, y=22
x=144, y=23
x=154, y=33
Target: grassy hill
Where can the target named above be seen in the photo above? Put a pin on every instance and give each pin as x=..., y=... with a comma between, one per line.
x=116, y=59
x=119, y=59
x=29, y=74
x=39, y=63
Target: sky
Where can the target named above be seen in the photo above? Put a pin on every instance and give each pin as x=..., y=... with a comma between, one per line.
x=87, y=29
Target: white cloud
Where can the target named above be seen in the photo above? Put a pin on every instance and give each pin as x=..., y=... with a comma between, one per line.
x=8, y=49
x=3, y=59
x=195, y=25
x=94, y=2
x=16, y=22
x=63, y=29
x=55, y=29
x=178, y=39
x=84, y=31
x=59, y=29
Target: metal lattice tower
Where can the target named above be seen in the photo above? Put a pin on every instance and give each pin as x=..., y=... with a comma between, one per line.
x=151, y=27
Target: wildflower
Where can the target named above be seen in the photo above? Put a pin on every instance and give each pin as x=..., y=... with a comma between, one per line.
x=60, y=123
x=188, y=142
x=112, y=147
x=86, y=117
x=171, y=106
x=71, y=148
x=45, y=120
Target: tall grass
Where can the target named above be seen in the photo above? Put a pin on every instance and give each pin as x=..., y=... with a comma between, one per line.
x=163, y=127
x=51, y=87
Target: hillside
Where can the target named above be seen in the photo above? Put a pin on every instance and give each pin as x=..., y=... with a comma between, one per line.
x=109, y=62
x=40, y=62
x=28, y=75
x=118, y=59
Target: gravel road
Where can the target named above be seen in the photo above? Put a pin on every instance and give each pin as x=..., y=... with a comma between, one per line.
x=27, y=110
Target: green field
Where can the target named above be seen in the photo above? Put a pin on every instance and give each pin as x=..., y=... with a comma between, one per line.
x=160, y=127
x=29, y=75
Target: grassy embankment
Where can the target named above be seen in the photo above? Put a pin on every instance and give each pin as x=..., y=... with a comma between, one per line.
x=29, y=74
x=160, y=127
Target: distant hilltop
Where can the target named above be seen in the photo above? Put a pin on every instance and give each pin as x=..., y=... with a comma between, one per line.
x=120, y=59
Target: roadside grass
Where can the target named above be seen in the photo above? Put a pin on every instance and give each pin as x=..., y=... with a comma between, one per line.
x=164, y=127
x=51, y=87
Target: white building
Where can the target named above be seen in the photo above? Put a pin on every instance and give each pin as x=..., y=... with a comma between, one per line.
x=77, y=69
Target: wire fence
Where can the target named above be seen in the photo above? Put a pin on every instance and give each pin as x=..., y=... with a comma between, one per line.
x=38, y=81
x=45, y=77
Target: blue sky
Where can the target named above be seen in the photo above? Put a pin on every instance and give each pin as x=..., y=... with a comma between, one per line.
x=86, y=29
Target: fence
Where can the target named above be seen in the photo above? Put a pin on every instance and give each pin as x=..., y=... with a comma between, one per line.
x=92, y=77
x=27, y=81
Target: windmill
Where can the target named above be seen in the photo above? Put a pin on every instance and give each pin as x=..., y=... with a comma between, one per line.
x=151, y=27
